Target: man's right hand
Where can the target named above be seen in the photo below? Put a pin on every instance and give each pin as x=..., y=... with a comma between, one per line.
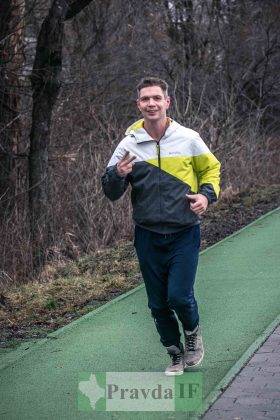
x=124, y=166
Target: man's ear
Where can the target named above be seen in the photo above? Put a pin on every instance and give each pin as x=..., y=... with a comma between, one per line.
x=137, y=104
x=168, y=100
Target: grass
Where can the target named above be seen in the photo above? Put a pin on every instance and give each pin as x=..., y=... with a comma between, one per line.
x=65, y=291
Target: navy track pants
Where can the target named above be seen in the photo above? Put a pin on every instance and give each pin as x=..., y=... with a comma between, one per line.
x=168, y=264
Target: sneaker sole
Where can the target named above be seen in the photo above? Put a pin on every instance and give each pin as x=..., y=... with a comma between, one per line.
x=196, y=364
x=173, y=373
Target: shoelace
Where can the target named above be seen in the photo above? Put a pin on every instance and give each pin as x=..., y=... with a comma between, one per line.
x=176, y=358
x=191, y=342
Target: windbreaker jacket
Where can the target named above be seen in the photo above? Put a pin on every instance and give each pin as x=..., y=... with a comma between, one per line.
x=163, y=173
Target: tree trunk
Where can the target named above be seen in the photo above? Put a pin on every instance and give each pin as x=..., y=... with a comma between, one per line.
x=45, y=85
x=45, y=81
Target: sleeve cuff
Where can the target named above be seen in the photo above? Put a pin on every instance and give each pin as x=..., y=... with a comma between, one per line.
x=208, y=192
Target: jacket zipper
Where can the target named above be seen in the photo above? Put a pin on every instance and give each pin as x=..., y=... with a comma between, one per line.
x=159, y=171
x=158, y=155
x=159, y=167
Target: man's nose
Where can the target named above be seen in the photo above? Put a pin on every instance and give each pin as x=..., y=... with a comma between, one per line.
x=151, y=102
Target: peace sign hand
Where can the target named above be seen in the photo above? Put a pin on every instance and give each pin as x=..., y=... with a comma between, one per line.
x=124, y=166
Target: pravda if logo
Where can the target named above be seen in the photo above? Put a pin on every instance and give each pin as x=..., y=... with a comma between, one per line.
x=139, y=391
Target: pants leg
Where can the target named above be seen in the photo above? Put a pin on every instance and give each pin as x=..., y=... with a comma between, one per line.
x=153, y=258
x=183, y=260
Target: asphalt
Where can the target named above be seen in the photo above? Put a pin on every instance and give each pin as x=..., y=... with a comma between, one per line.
x=238, y=293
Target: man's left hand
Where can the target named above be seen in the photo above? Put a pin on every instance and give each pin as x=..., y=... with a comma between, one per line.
x=198, y=203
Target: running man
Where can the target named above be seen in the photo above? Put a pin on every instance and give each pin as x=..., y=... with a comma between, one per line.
x=174, y=177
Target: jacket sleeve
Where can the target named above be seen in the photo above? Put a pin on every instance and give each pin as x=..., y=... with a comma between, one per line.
x=207, y=169
x=113, y=184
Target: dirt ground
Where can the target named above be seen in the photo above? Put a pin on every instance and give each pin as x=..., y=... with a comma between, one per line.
x=69, y=289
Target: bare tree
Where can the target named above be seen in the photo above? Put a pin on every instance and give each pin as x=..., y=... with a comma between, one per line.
x=45, y=85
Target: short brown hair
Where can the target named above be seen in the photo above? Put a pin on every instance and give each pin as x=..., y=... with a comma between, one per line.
x=153, y=81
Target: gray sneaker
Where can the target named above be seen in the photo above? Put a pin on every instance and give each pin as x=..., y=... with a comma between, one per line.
x=177, y=357
x=194, y=350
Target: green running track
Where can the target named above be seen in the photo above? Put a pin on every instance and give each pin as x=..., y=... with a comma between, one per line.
x=238, y=293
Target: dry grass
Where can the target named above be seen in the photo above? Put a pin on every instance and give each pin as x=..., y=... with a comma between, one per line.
x=66, y=290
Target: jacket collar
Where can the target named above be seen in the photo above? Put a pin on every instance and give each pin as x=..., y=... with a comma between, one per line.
x=138, y=131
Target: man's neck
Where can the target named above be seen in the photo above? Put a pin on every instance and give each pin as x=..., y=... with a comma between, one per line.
x=156, y=129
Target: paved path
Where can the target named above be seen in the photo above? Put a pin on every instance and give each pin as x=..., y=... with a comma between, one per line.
x=238, y=292
x=255, y=392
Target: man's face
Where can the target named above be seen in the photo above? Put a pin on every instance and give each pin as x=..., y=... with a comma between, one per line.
x=152, y=103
